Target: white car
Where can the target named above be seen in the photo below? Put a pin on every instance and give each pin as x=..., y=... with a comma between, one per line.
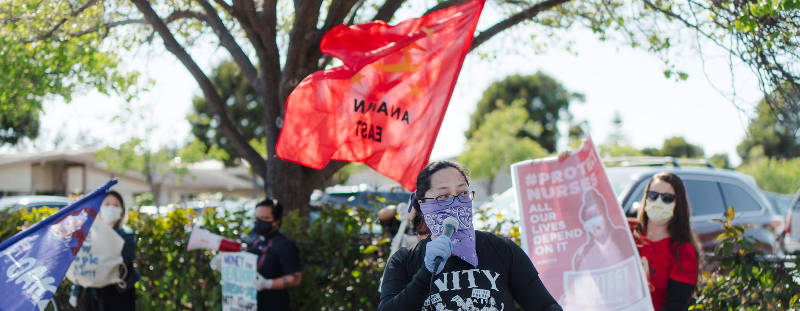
x=791, y=239
x=13, y=203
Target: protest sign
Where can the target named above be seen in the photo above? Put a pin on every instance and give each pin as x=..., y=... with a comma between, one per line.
x=575, y=233
x=33, y=262
x=238, y=281
x=99, y=261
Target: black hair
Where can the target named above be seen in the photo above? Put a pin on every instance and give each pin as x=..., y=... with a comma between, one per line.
x=277, y=208
x=424, y=184
x=121, y=203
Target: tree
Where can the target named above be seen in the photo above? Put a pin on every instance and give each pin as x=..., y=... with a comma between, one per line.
x=37, y=64
x=617, y=143
x=157, y=166
x=496, y=144
x=545, y=101
x=775, y=175
x=275, y=45
x=720, y=160
x=678, y=147
x=775, y=139
x=243, y=104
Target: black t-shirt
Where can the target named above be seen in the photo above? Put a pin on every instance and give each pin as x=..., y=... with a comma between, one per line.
x=504, y=274
x=277, y=256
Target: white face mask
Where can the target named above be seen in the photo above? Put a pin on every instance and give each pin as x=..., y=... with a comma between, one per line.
x=593, y=225
x=659, y=212
x=110, y=213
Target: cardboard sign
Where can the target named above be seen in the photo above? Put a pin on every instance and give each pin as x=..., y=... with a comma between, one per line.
x=98, y=261
x=576, y=235
x=238, y=281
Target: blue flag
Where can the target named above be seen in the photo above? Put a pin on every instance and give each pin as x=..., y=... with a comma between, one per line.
x=34, y=261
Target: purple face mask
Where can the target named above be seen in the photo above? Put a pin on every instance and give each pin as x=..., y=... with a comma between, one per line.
x=435, y=213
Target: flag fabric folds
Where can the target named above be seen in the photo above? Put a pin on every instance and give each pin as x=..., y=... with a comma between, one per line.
x=384, y=106
x=34, y=261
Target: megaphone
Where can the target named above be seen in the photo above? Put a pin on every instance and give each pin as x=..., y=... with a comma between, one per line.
x=203, y=239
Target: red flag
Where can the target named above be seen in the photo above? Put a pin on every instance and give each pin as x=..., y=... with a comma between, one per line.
x=385, y=105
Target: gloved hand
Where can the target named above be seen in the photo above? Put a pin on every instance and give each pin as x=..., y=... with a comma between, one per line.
x=216, y=262
x=73, y=301
x=439, y=247
x=262, y=283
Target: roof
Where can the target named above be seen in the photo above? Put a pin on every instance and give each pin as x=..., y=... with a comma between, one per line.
x=83, y=156
x=205, y=176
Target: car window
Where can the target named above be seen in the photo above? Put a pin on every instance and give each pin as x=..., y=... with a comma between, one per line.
x=741, y=200
x=632, y=205
x=704, y=197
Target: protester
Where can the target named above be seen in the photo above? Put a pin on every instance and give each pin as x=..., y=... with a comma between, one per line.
x=405, y=237
x=665, y=240
x=278, y=262
x=486, y=271
x=387, y=217
x=111, y=297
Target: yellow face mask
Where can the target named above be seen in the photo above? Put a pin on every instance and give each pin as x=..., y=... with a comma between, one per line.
x=659, y=212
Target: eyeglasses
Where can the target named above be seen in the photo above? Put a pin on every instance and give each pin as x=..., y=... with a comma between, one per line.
x=446, y=199
x=666, y=197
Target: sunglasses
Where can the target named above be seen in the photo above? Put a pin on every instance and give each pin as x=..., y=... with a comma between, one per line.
x=665, y=197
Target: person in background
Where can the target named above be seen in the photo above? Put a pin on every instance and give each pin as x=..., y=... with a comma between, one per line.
x=278, y=263
x=485, y=272
x=111, y=297
x=666, y=243
x=405, y=237
x=387, y=217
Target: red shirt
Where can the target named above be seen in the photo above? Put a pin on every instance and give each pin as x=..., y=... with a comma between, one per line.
x=662, y=265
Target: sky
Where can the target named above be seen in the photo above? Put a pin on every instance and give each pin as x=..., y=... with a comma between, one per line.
x=613, y=78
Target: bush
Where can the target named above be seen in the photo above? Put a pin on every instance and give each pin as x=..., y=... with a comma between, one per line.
x=743, y=278
x=341, y=266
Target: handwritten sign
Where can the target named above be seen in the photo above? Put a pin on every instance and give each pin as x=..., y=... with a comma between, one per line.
x=238, y=281
x=574, y=231
x=97, y=263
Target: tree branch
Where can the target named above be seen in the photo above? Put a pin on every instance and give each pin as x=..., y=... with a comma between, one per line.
x=386, y=12
x=215, y=104
x=306, y=17
x=337, y=14
x=250, y=29
x=230, y=44
x=175, y=16
x=444, y=5
x=513, y=20
x=71, y=14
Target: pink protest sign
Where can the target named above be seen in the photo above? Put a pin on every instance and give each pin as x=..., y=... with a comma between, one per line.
x=575, y=233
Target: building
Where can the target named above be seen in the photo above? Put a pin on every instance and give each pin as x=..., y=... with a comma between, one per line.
x=65, y=172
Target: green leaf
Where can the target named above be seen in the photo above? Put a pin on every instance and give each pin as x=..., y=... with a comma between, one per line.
x=729, y=214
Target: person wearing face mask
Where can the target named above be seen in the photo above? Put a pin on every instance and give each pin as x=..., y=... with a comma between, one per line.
x=600, y=232
x=666, y=243
x=478, y=270
x=111, y=297
x=278, y=263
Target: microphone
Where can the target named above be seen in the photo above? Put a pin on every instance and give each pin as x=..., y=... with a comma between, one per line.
x=449, y=226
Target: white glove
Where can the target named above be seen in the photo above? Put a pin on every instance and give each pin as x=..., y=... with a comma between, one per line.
x=73, y=301
x=216, y=262
x=262, y=283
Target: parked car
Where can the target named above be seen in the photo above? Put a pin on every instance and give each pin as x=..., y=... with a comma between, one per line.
x=361, y=195
x=710, y=191
x=29, y=202
x=791, y=239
